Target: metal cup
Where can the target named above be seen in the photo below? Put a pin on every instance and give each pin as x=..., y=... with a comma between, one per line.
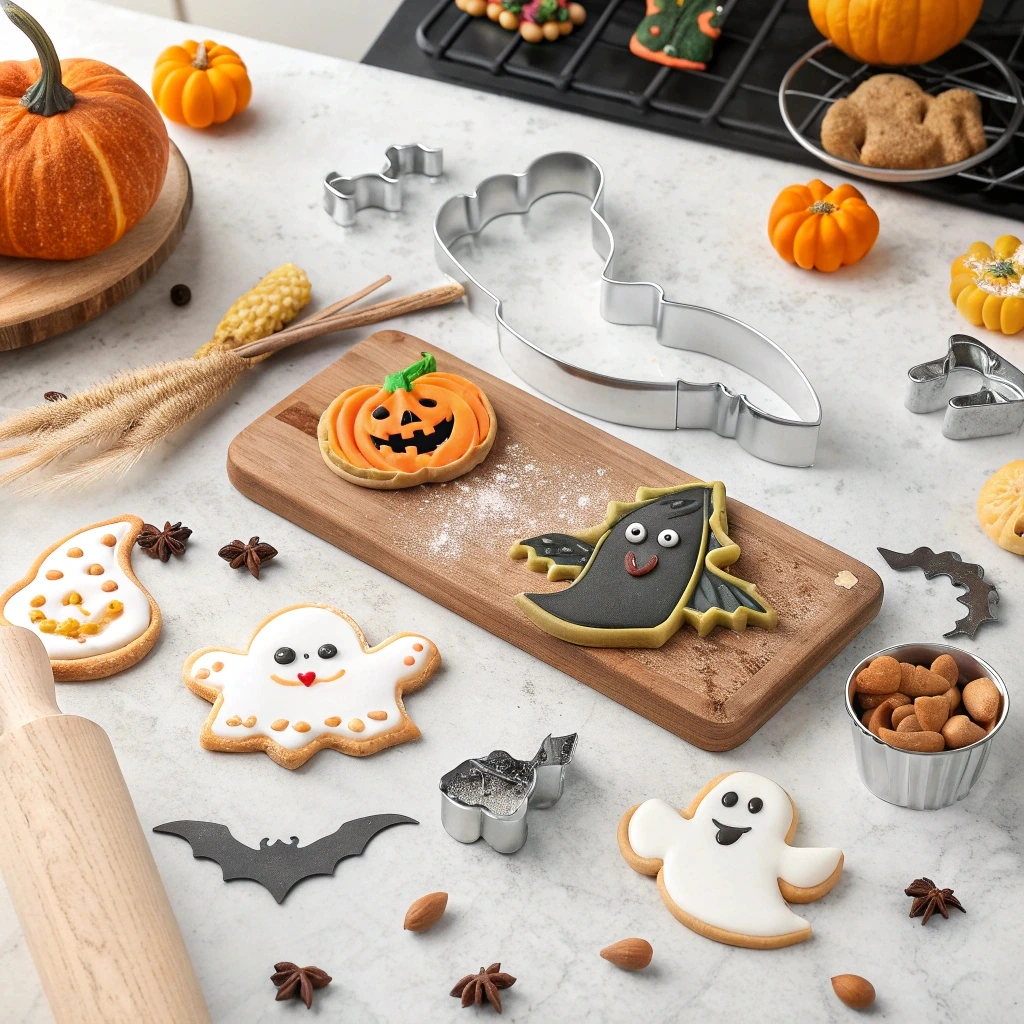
x=923, y=782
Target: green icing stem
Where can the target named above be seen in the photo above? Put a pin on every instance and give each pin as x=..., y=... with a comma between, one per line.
x=404, y=378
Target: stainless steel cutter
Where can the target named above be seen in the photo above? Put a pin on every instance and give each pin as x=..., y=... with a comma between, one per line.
x=666, y=405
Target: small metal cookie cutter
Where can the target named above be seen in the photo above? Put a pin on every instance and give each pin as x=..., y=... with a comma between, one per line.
x=489, y=796
x=345, y=197
x=666, y=405
x=994, y=405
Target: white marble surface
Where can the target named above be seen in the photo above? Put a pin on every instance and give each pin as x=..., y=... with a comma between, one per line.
x=692, y=217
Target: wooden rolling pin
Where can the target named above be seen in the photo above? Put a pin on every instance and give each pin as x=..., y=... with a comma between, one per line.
x=77, y=865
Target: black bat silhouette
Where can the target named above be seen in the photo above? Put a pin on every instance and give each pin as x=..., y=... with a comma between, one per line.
x=280, y=866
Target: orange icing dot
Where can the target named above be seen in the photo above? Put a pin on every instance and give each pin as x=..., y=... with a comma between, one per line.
x=217, y=666
x=108, y=539
x=95, y=569
x=377, y=716
x=75, y=552
x=250, y=722
x=333, y=721
x=36, y=615
x=301, y=726
x=55, y=574
x=109, y=586
x=279, y=724
x=356, y=725
x=38, y=601
x=233, y=720
x=409, y=660
x=48, y=626
x=203, y=673
x=417, y=647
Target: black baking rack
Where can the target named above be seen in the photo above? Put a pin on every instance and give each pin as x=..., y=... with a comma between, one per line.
x=733, y=103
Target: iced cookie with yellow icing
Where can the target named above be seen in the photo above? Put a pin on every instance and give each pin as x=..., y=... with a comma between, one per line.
x=309, y=680
x=84, y=601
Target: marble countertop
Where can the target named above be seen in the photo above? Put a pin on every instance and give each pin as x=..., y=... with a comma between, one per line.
x=687, y=215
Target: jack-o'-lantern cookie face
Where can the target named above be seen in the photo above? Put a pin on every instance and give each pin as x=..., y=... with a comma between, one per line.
x=420, y=427
x=309, y=680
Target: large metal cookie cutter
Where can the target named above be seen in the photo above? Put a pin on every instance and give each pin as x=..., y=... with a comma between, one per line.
x=974, y=408
x=661, y=404
x=489, y=796
x=344, y=196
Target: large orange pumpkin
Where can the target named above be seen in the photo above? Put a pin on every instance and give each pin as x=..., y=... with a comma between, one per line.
x=83, y=152
x=420, y=427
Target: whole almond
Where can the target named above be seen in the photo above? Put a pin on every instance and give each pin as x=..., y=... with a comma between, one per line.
x=932, y=712
x=945, y=666
x=953, y=696
x=920, y=742
x=629, y=954
x=960, y=731
x=425, y=912
x=911, y=723
x=906, y=711
x=925, y=683
x=870, y=701
x=881, y=676
x=981, y=699
x=858, y=993
x=881, y=717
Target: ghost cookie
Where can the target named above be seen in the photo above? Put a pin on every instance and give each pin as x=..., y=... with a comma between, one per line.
x=724, y=864
x=83, y=600
x=654, y=564
x=309, y=680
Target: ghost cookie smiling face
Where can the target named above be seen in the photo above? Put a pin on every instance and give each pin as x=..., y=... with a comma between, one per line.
x=309, y=680
x=724, y=864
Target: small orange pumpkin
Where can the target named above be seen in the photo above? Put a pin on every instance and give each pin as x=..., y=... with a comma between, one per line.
x=420, y=427
x=815, y=225
x=200, y=84
x=83, y=152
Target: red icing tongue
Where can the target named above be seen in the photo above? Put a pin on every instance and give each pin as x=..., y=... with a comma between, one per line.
x=636, y=570
x=306, y=678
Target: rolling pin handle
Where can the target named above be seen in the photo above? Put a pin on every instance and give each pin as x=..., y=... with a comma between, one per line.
x=26, y=679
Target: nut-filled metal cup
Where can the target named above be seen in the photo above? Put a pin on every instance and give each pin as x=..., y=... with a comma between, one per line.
x=923, y=782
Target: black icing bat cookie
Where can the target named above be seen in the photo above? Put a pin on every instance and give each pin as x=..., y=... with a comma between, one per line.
x=280, y=866
x=653, y=564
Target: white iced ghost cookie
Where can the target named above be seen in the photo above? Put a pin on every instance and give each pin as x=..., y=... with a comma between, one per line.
x=82, y=598
x=309, y=680
x=724, y=864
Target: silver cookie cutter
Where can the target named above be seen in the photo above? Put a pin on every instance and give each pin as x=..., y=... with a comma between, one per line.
x=666, y=405
x=987, y=407
x=344, y=196
x=489, y=796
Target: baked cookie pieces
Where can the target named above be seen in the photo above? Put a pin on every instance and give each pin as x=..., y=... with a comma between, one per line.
x=82, y=598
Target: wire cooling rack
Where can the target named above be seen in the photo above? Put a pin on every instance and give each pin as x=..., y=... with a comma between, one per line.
x=734, y=103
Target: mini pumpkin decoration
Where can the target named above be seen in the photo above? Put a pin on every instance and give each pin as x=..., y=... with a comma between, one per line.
x=420, y=427
x=986, y=284
x=815, y=225
x=83, y=152
x=1001, y=507
x=894, y=31
x=200, y=84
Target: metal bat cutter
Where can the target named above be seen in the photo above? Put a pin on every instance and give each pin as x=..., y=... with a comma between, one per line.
x=667, y=405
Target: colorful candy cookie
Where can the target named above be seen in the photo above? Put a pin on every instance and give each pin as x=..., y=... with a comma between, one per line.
x=536, y=20
x=308, y=680
x=724, y=864
x=652, y=565
x=681, y=35
x=420, y=427
x=82, y=598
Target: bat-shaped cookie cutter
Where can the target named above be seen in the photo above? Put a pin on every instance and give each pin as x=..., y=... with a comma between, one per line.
x=978, y=595
x=974, y=408
x=280, y=866
x=489, y=796
x=344, y=196
x=666, y=405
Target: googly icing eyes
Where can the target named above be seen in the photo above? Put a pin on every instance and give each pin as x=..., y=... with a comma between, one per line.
x=380, y=413
x=327, y=651
x=284, y=655
x=668, y=538
x=755, y=804
x=636, y=533
x=729, y=800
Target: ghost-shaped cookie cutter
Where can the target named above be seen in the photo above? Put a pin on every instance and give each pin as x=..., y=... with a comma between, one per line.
x=664, y=404
x=488, y=797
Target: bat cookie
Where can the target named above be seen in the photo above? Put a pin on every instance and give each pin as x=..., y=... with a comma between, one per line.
x=308, y=680
x=654, y=564
x=724, y=864
x=82, y=598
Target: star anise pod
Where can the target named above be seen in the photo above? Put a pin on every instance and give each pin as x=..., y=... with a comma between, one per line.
x=474, y=988
x=298, y=981
x=251, y=555
x=929, y=898
x=171, y=540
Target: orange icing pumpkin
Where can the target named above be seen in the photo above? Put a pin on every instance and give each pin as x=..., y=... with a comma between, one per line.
x=421, y=426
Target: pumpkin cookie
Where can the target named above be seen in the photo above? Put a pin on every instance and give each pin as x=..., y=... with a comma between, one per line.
x=890, y=121
x=680, y=35
x=420, y=427
x=987, y=284
x=1001, y=507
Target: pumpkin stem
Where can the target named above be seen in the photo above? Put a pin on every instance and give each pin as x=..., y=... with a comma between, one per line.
x=49, y=95
x=404, y=378
x=201, y=61
x=822, y=207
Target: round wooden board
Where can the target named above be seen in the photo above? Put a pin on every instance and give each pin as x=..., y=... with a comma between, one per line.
x=41, y=298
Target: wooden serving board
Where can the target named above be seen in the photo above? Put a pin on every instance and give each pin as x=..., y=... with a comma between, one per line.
x=549, y=471
x=41, y=298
